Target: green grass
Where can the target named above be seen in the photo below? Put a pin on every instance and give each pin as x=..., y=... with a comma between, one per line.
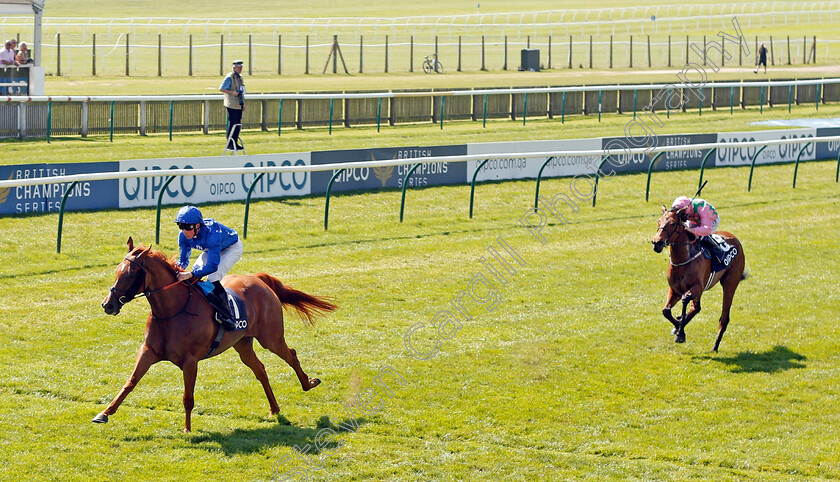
x=573, y=376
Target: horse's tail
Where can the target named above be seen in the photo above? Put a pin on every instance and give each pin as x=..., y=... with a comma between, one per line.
x=308, y=307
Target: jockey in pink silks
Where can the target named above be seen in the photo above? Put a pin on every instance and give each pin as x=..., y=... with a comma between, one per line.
x=702, y=221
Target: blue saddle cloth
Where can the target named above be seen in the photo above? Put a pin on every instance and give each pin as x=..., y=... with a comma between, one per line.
x=725, y=253
x=235, y=302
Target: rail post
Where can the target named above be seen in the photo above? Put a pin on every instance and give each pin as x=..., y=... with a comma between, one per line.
x=171, y=109
x=539, y=177
x=563, y=109
x=703, y=165
x=160, y=200
x=279, y=117
x=331, y=114
x=472, y=184
x=595, y=190
x=761, y=101
x=378, y=113
x=404, y=186
x=837, y=174
x=61, y=215
x=650, y=168
x=112, y=121
x=484, y=116
x=327, y=202
x=796, y=168
x=49, y=120
x=752, y=167
x=248, y=205
x=525, y=108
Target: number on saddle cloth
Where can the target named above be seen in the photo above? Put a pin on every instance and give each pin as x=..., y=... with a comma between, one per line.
x=235, y=304
x=723, y=253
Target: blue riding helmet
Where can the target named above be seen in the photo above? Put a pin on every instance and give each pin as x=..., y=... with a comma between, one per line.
x=189, y=215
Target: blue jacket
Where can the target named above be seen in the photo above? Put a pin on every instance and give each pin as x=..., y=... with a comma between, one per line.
x=212, y=238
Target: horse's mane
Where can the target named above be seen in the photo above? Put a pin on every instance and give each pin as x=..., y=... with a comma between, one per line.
x=155, y=254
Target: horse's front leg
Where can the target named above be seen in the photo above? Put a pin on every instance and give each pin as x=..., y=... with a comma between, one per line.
x=666, y=311
x=190, y=369
x=145, y=359
x=687, y=298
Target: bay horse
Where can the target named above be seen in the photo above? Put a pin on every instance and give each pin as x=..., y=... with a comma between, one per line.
x=181, y=328
x=690, y=273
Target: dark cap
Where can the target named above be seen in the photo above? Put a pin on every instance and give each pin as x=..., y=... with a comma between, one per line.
x=238, y=63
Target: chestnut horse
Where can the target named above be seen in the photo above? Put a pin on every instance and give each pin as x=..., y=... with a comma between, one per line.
x=181, y=329
x=690, y=273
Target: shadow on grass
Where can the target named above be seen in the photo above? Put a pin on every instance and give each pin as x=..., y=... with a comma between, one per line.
x=776, y=359
x=246, y=441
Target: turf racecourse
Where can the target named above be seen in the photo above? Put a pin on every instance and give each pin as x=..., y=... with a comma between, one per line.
x=574, y=374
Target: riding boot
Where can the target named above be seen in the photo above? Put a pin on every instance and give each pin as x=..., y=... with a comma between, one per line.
x=223, y=314
x=711, y=245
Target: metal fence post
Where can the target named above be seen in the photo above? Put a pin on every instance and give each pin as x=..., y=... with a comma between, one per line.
x=160, y=200
x=472, y=184
x=405, y=185
x=752, y=167
x=327, y=197
x=796, y=168
x=650, y=168
x=248, y=204
x=61, y=215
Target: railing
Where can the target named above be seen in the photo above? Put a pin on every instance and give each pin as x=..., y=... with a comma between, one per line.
x=68, y=115
x=605, y=154
x=281, y=54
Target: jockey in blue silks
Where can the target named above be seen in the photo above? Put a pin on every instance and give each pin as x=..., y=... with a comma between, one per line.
x=221, y=250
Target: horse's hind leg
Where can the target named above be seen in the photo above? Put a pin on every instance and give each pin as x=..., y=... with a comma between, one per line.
x=145, y=359
x=277, y=344
x=245, y=348
x=729, y=286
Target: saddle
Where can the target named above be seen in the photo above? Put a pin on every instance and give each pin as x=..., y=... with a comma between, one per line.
x=236, y=307
x=716, y=249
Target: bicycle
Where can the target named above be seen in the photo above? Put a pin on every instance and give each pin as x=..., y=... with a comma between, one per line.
x=432, y=63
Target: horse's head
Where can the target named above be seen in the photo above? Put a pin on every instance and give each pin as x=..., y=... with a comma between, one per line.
x=671, y=227
x=131, y=277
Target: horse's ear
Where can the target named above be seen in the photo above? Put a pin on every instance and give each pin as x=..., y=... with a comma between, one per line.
x=130, y=244
x=664, y=209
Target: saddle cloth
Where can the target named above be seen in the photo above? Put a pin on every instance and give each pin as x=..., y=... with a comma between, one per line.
x=235, y=302
x=724, y=254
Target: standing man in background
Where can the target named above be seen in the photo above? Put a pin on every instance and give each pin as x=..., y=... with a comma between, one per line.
x=234, y=89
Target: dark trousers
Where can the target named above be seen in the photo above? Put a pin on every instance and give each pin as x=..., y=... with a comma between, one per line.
x=234, y=117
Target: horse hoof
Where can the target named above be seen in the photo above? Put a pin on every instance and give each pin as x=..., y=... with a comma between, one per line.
x=101, y=418
x=314, y=382
x=679, y=339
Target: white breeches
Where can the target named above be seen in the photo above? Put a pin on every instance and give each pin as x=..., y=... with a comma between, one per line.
x=228, y=258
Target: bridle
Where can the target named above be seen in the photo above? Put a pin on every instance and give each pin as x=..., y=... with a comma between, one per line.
x=126, y=297
x=669, y=233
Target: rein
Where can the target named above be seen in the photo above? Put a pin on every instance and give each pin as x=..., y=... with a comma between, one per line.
x=686, y=262
x=147, y=293
x=670, y=233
